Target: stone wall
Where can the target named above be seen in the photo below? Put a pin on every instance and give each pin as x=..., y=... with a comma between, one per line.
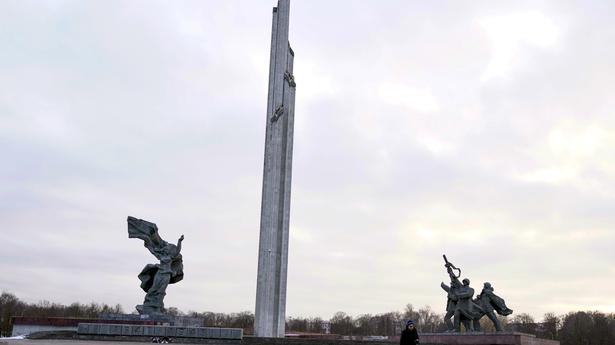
x=28, y=325
x=159, y=331
x=29, y=329
x=426, y=339
x=503, y=338
x=307, y=341
x=510, y=338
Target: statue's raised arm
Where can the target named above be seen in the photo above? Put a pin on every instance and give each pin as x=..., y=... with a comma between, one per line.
x=179, y=244
x=449, y=268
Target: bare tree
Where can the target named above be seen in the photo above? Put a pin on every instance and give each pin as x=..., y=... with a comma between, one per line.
x=341, y=323
x=550, y=325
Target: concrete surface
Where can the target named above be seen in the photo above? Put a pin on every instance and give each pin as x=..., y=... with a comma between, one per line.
x=270, y=314
x=63, y=342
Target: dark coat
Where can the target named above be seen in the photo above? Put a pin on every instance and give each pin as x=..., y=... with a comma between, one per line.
x=409, y=337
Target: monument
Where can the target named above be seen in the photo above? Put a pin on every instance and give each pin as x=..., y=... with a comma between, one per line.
x=270, y=312
x=464, y=309
x=152, y=324
x=156, y=277
x=468, y=311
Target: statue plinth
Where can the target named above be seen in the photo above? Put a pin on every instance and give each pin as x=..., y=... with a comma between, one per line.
x=115, y=332
x=479, y=338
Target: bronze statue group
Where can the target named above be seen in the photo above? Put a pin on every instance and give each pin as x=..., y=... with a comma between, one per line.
x=463, y=309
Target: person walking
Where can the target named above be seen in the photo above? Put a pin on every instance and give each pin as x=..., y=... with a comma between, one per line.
x=409, y=336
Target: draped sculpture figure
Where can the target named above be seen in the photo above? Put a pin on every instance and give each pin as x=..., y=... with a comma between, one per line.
x=156, y=277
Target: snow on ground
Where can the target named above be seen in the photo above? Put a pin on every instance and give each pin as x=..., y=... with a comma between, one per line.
x=13, y=338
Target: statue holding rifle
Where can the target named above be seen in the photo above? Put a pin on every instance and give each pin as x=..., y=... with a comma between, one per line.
x=467, y=311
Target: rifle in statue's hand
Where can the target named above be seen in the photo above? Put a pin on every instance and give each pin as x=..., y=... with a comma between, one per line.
x=450, y=267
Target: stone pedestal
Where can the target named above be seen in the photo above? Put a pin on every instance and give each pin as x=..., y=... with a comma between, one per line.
x=28, y=325
x=156, y=319
x=477, y=338
x=125, y=330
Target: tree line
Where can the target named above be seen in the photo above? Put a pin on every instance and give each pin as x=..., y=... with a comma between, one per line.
x=11, y=306
x=574, y=328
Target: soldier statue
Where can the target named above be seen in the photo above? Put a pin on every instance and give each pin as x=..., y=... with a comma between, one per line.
x=467, y=311
x=491, y=303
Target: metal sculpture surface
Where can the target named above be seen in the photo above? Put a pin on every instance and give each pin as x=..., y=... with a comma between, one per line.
x=156, y=277
x=467, y=311
x=491, y=304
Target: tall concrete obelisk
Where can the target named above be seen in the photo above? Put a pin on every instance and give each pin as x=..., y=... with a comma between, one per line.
x=270, y=316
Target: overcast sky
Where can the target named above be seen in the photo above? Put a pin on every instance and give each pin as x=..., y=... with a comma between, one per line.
x=480, y=129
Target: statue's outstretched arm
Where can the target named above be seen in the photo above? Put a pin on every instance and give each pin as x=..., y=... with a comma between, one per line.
x=466, y=293
x=445, y=287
